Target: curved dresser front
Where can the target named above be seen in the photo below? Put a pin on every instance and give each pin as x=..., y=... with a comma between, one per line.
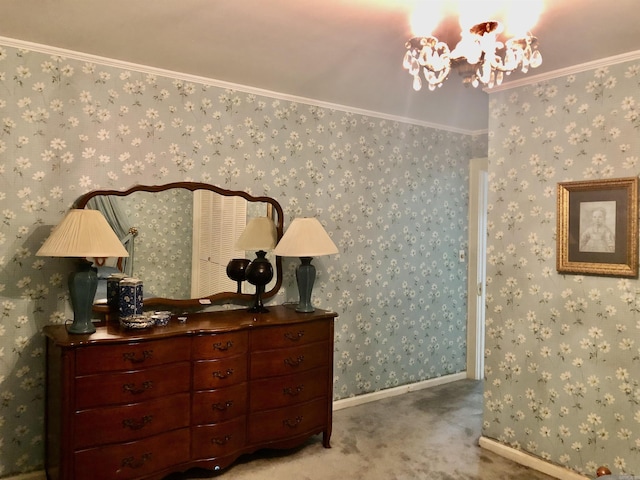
x=125, y=404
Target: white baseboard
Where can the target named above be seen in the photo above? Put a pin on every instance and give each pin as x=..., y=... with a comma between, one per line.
x=530, y=461
x=392, y=392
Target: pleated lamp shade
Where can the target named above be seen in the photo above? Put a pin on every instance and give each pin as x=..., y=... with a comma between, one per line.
x=305, y=237
x=259, y=234
x=83, y=233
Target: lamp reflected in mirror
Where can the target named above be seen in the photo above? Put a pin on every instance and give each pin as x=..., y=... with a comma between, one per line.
x=260, y=235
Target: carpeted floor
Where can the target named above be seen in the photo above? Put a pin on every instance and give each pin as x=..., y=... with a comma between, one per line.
x=431, y=434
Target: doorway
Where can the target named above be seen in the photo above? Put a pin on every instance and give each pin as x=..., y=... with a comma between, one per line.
x=476, y=271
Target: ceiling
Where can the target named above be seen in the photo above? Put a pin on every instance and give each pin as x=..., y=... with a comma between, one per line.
x=344, y=52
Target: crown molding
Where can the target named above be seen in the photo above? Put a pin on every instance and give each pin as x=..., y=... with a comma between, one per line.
x=582, y=67
x=110, y=62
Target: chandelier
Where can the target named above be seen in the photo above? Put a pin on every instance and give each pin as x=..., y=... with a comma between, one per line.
x=480, y=56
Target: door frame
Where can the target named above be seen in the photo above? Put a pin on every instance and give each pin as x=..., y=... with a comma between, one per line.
x=476, y=272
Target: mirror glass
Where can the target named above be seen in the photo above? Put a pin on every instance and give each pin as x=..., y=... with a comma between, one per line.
x=180, y=239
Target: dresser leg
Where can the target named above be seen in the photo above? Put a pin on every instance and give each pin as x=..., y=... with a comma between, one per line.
x=326, y=439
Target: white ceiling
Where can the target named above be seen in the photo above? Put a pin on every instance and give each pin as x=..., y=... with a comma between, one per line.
x=345, y=52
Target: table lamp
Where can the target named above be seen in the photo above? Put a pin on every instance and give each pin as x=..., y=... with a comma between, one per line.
x=305, y=238
x=82, y=233
x=259, y=235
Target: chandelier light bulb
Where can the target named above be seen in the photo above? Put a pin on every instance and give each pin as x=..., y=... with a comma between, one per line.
x=520, y=17
x=426, y=16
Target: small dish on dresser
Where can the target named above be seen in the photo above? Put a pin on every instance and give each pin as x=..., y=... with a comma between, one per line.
x=161, y=319
x=137, y=322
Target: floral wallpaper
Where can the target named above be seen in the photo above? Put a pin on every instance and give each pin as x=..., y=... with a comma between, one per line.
x=393, y=196
x=562, y=351
x=164, y=222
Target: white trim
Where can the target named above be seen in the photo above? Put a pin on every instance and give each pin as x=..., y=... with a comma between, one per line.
x=582, y=67
x=476, y=264
x=39, y=475
x=528, y=460
x=393, y=392
x=111, y=62
x=528, y=80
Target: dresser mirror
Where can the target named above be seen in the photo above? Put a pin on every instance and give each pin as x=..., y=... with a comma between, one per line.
x=180, y=237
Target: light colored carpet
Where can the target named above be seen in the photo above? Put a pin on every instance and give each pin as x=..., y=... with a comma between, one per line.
x=430, y=434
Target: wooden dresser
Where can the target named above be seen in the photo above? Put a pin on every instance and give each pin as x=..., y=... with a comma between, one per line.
x=125, y=404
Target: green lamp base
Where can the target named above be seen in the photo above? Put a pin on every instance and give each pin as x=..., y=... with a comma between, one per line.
x=82, y=289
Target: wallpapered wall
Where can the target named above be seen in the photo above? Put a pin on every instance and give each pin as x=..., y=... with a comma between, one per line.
x=162, y=255
x=562, y=351
x=392, y=195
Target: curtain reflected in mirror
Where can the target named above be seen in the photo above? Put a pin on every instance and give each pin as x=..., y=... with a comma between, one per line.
x=110, y=208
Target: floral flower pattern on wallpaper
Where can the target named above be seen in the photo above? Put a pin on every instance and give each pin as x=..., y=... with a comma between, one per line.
x=164, y=222
x=393, y=196
x=562, y=351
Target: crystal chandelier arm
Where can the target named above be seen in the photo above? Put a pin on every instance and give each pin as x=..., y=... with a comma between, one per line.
x=489, y=57
x=429, y=56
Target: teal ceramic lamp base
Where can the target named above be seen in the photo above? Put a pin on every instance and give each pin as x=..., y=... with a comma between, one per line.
x=82, y=289
x=306, y=276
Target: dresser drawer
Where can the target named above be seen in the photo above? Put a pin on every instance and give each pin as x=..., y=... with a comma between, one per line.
x=212, y=441
x=101, y=426
x=134, y=386
x=135, y=355
x=220, y=345
x=289, y=360
x=282, y=423
x=278, y=392
x=290, y=335
x=219, y=373
x=213, y=406
x=135, y=459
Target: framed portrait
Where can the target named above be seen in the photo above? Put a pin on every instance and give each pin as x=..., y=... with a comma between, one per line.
x=597, y=224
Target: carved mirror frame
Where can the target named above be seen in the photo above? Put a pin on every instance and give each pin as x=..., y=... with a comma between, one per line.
x=220, y=297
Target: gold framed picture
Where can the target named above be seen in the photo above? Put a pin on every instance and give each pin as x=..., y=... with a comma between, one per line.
x=597, y=230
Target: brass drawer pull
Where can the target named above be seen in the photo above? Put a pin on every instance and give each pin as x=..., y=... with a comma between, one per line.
x=291, y=392
x=131, y=387
x=294, y=337
x=294, y=363
x=131, y=462
x=221, y=375
x=221, y=441
x=222, y=406
x=223, y=347
x=133, y=357
x=292, y=423
x=137, y=425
